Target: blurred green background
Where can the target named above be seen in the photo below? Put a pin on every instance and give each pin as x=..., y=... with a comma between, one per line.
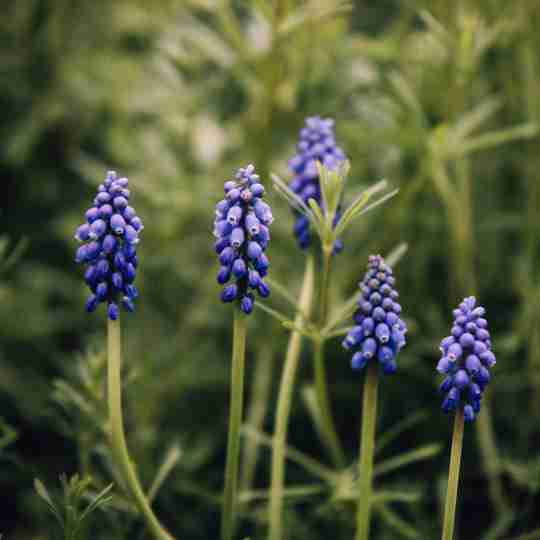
x=441, y=98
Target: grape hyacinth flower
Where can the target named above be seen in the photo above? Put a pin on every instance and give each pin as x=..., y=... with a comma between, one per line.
x=241, y=228
x=109, y=238
x=466, y=361
x=317, y=143
x=379, y=332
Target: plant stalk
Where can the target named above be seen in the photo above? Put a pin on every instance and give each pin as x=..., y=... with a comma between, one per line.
x=453, y=476
x=283, y=409
x=235, y=420
x=331, y=439
x=117, y=436
x=367, y=448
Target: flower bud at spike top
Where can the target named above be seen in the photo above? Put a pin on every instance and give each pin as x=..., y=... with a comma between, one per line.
x=241, y=229
x=108, y=251
x=316, y=143
x=466, y=360
x=379, y=332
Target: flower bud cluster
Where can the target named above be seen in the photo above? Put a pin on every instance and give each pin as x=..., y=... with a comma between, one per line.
x=317, y=143
x=241, y=229
x=379, y=332
x=466, y=360
x=109, y=238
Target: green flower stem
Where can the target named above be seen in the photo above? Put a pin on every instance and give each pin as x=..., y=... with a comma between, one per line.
x=284, y=401
x=117, y=437
x=235, y=420
x=321, y=388
x=453, y=476
x=367, y=447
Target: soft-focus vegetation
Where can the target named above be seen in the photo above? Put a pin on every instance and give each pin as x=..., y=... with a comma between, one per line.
x=440, y=98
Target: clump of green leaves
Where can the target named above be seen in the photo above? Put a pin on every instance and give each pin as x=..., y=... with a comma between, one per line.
x=75, y=503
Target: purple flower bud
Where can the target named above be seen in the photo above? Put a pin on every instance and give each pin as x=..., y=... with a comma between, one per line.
x=246, y=304
x=120, y=202
x=382, y=332
x=101, y=290
x=223, y=275
x=368, y=326
x=358, y=360
x=468, y=413
x=130, y=235
x=263, y=289
x=117, y=280
x=472, y=363
x=92, y=214
x=252, y=224
x=129, y=273
x=239, y=268
x=128, y=304
x=254, y=250
x=461, y=379
x=237, y=237
x=454, y=352
x=97, y=229
x=83, y=233
x=234, y=215
x=466, y=340
x=112, y=311
x=118, y=224
x=105, y=211
x=229, y=293
x=254, y=279
x=91, y=303
x=369, y=348
x=227, y=256
x=137, y=224
x=128, y=213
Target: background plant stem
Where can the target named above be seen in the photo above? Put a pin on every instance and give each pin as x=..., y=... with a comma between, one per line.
x=235, y=420
x=117, y=437
x=331, y=439
x=453, y=476
x=367, y=446
x=283, y=409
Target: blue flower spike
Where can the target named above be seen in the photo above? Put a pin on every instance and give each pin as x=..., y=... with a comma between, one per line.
x=316, y=144
x=379, y=332
x=108, y=250
x=241, y=228
x=466, y=360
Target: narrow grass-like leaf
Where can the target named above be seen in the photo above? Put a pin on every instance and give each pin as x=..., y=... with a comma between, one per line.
x=282, y=318
x=495, y=138
x=408, y=422
x=291, y=492
x=292, y=198
x=172, y=457
x=407, y=458
x=394, y=521
x=303, y=460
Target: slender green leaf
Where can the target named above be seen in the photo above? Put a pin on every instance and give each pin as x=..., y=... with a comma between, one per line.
x=407, y=458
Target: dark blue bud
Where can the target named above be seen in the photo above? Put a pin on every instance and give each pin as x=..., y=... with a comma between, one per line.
x=118, y=224
x=223, y=275
x=237, y=237
x=246, y=304
x=105, y=211
x=101, y=290
x=239, y=268
x=229, y=293
x=263, y=289
x=227, y=256
x=91, y=303
x=109, y=244
x=112, y=311
x=468, y=413
x=117, y=280
x=128, y=304
x=358, y=360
